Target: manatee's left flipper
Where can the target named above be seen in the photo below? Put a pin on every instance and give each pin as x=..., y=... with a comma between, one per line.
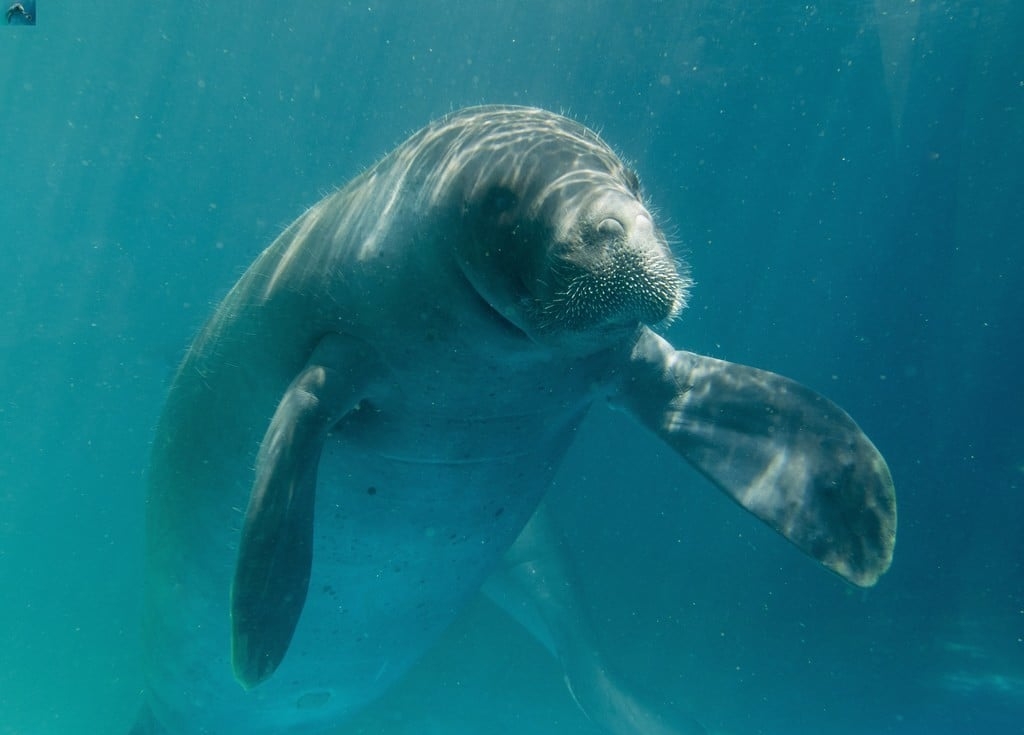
x=789, y=456
x=536, y=586
x=276, y=549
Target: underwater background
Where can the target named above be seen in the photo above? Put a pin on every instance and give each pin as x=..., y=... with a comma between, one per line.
x=845, y=179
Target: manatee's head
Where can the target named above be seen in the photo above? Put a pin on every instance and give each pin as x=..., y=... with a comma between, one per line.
x=608, y=268
x=557, y=238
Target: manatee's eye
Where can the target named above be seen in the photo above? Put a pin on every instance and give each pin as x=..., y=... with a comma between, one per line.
x=610, y=227
x=497, y=201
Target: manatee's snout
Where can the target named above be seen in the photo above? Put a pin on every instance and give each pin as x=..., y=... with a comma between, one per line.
x=617, y=270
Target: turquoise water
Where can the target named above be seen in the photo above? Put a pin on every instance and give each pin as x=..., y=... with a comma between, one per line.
x=845, y=181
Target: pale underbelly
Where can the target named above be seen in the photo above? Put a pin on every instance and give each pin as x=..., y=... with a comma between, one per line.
x=402, y=542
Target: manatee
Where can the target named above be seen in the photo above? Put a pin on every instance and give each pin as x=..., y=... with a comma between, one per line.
x=372, y=415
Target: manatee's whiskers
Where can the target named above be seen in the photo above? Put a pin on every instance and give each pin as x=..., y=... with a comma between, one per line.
x=630, y=285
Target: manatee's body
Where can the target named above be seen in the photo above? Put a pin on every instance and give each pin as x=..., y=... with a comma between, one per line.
x=379, y=404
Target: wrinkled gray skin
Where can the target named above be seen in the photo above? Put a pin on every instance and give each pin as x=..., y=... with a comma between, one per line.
x=371, y=416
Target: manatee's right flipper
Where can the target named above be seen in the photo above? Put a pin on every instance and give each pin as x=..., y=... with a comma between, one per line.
x=275, y=554
x=536, y=587
x=788, y=455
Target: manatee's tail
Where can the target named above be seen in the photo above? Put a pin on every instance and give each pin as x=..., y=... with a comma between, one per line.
x=535, y=586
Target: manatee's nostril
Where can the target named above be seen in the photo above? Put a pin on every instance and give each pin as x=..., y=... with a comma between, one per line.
x=611, y=227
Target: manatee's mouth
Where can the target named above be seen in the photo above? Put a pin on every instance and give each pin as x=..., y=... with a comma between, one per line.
x=628, y=287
